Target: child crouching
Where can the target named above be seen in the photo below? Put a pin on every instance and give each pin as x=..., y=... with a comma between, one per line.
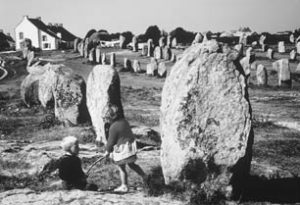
x=69, y=167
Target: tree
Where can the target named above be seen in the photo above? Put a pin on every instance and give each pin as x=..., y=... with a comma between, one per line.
x=128, y=37
x=89, y=33
x=152, y=32
x=182, y=35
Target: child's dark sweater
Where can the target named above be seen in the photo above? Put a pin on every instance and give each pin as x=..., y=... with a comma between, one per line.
x=70, y=170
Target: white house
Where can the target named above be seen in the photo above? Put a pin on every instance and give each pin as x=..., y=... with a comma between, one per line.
x=45, y=37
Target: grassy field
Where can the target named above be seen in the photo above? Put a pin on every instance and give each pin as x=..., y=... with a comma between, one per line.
x=275, y=145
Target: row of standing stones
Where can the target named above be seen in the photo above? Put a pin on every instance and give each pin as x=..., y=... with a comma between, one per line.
x=205, y=116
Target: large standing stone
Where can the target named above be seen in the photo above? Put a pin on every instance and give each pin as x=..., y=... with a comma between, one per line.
x=112, y=59
x=81, y=48
x=70, y=97
x=136, y=66
x=281, y=47
x=150, y=47
x=293, y=55
x=144, y=50
x=270, y=54
x=298, y=47
x=92, y=55
x=158, y=52
x=261, y=75
x=161, y=42
x=206, y=122
x=75, y=45
x=166, y=53
x=98, y=54
x=298, y=68
x=103, y=91
x=134, y=44
x=152, y=67
x=292, y=38
x=86, y=48
x=243, y=39
x=122, y=40
x=162, y=70
x=240, y=49
x=284, y=74
x=127, y=64
x=249, y=52
x=30, y=89
x=198, y=38
x=174, y=42
x=173, y=58
x=103, y=59
x=169, y=41
x=246, y=65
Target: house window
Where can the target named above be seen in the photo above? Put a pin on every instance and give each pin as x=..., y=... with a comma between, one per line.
x=44, y=38
x=21, y=35
x=46, y=45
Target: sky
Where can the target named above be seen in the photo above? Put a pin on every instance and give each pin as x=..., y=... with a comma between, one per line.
x=79, y=16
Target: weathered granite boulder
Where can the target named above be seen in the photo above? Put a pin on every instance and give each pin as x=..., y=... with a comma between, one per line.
x=136, y=66
x=103, y=91
x=246, y=65
x=144, y=50
x=261, y=75
x=162, y=70
x=46, y=85
x=206, y=122
x=284, y=74
x=173, y=58
x=70, y=97
x=169, y=41
x=292, y=38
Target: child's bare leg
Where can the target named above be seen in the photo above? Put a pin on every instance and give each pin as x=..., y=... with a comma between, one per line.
x=123, y=174
x=138, y=170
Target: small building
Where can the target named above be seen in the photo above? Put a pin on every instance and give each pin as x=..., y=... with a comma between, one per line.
x=45, y=37
x=6, y=41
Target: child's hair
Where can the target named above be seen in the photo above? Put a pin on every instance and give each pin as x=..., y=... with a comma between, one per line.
x=68, y=142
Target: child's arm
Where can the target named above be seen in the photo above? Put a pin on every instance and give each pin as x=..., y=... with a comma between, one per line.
x=112, y=138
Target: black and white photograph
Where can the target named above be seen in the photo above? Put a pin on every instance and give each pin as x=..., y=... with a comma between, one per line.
x=139, y=102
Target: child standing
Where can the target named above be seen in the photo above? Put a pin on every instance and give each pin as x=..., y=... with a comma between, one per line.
x=69, y=166
x=121, y=145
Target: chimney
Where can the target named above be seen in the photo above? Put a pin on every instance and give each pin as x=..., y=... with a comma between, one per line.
x=56, y=24
x=60, y=24
x=8, y=34
x=25, y=16
x=1, y=30
x=49, y=24
x=39, y=18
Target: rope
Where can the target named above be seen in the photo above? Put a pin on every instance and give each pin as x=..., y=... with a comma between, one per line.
x=103, y=157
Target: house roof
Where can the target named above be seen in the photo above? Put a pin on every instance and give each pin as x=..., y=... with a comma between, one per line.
x=40, y=25
x=65, y=34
